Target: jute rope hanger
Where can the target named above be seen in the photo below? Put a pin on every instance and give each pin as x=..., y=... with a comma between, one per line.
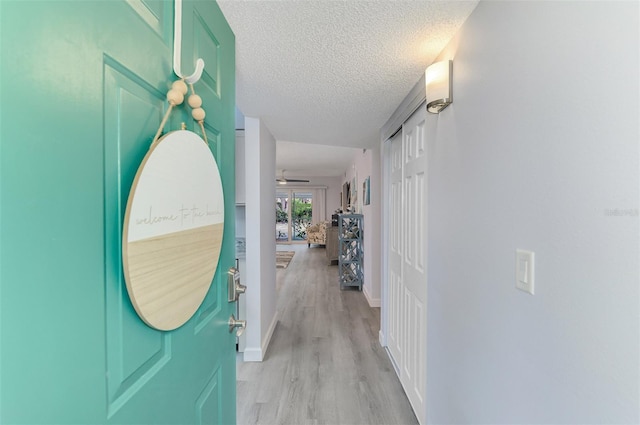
x=175, y=96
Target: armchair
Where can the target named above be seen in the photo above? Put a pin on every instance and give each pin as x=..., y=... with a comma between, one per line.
x=317, y=233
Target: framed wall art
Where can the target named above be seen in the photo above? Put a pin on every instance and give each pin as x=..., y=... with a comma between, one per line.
x=366, y=191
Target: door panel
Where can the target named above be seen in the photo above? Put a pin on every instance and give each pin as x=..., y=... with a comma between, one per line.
x=414, y=266
x=407, y=259
x=83, y=88
x=293, y=215
x=282, y=216
x=300, y=215
x=135, y=352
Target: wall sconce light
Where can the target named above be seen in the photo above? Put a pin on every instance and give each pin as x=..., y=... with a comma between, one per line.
x=438, y=77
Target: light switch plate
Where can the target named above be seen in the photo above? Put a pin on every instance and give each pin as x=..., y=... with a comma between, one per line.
x=525, y=270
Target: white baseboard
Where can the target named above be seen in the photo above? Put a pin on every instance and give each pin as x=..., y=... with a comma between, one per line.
x=267, y=337
x=252, y=354
x=382, y=339
x=373, y=302
x=396, y=368
x=257, y=354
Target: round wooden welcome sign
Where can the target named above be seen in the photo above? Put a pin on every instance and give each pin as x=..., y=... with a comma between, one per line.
x=173, y=230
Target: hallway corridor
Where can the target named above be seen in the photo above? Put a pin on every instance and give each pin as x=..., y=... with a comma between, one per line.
x=324, y=364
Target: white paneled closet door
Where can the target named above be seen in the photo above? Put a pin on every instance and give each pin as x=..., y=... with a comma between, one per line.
x=408, y=259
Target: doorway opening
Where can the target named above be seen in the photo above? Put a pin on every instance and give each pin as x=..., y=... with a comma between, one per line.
x=293, y=215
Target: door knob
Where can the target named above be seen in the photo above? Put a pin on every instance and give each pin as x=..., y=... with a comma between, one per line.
x=235, y=323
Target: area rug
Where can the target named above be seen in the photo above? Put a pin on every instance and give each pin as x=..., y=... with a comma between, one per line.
x=283, y=258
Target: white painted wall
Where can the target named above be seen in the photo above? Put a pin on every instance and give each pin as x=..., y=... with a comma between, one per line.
x=239, y=119
x=539, y=150
x=367, y=164
x=373, y=214
x=334, y=189
x=261, y=247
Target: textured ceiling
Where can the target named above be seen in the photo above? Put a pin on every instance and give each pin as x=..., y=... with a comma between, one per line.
x=333, y=72
x=303, y=159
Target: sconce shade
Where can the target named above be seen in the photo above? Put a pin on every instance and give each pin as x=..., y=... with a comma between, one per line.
x=438, y=77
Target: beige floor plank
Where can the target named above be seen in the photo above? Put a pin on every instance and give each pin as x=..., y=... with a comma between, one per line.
x=324, y=364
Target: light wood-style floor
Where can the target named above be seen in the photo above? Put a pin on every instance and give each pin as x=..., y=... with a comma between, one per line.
x=324, y=364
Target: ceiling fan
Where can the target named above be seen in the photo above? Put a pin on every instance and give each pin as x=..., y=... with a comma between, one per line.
x=283, y=180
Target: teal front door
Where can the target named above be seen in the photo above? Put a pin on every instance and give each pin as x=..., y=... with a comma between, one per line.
x=82, y=92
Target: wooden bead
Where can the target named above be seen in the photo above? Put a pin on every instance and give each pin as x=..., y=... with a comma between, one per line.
x=174, y=97
x=181, y=86
x=198, y=114
x=195, y=101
